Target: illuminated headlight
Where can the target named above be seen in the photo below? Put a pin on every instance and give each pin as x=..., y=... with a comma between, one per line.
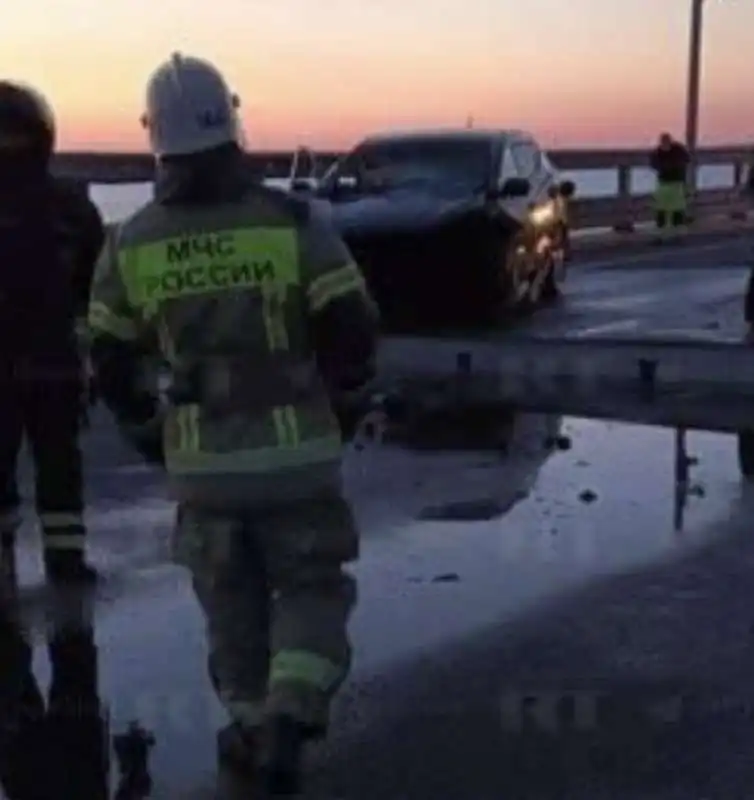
x=542, y=215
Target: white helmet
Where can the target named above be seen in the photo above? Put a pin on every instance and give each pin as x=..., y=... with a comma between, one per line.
x=189, y=108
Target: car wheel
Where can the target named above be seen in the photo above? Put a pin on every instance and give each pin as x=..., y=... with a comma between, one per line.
x=536, y=291
x=552, y=285
x=513, y=280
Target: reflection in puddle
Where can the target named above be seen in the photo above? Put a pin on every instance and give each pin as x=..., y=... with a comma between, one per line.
x=466, y=511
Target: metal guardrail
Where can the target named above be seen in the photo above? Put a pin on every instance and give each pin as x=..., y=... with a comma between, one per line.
x=622, y=211
x=697, y=381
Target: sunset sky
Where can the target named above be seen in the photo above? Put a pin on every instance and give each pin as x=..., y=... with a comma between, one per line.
x=323, y=72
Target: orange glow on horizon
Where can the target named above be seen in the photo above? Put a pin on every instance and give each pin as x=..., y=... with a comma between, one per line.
x=576, y=74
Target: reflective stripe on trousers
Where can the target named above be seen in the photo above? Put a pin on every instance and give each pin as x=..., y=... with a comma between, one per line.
x=63, y=530
x=300, y=666
x=290, y=449
x=247, y=712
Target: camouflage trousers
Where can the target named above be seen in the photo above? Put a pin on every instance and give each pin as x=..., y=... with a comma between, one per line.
x=277, y=600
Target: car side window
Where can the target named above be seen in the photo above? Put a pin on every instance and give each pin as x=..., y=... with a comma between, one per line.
x=508, y=168
x=547, y=165
x=526, y=157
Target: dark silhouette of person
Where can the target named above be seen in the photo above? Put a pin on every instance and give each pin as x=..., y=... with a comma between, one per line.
x=57, y=749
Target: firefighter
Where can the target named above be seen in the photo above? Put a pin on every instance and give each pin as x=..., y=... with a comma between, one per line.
x=270, y=335
x=50, y=237
x=670, y=161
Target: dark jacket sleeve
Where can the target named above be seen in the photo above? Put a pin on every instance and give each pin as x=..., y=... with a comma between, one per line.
x=85, y=234
x=118, y=351
x=345, y=337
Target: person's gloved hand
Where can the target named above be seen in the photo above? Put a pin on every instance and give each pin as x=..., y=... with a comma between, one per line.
x=146, y=439
x=360, y=414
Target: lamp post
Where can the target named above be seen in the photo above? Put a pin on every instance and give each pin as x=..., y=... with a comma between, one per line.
x=694, y=81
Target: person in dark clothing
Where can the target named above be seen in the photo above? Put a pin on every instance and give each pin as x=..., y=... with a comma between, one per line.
x=50, y=237
x=57, y=749
x=670, y=162
x=746, y=438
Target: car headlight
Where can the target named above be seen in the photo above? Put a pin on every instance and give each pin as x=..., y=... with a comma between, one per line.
x=542, y=215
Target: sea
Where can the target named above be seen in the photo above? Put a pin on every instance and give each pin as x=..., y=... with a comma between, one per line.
x=120, y=201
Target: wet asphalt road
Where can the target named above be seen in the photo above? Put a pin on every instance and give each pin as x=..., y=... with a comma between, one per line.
x=486, y=580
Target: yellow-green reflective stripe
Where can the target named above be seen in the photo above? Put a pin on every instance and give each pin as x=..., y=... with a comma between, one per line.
x=286, y=426
x=331, y=285
x=247, y=712
x=204, y=262
x=301, y=666
x=257, y=460
x=670, y=197
x=187, y=422
x=273, y=313
x=165, y=339
x=102, y=319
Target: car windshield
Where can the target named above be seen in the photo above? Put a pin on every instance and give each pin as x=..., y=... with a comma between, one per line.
x=450, y=163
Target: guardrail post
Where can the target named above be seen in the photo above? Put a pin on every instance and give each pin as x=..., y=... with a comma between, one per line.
x=740, y=210
x=625, y=224
x=739, y=170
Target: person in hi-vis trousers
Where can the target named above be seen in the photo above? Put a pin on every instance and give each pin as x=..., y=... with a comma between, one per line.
x=670, y=161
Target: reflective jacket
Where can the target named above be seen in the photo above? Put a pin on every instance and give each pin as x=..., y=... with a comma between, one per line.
x=252, y=303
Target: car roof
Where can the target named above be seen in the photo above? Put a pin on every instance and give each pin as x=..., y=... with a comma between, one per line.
x=446, y=134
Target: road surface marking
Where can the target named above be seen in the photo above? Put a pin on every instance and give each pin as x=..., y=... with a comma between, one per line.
x=668, y=252
x=609, y=327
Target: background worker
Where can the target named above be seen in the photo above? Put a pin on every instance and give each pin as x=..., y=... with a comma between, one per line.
x=670, y=162
x=270, y=336
x=50, y=237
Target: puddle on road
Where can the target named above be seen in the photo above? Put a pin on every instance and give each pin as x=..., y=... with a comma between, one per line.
x=431, y=581
x=603, y=506
x=561, y=464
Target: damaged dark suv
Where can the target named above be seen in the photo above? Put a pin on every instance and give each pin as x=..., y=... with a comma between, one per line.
x=453, y=229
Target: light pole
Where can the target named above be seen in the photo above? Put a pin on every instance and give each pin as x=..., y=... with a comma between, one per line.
x=694, y=81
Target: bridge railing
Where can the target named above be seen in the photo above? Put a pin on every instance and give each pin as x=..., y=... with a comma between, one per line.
x=622, y=209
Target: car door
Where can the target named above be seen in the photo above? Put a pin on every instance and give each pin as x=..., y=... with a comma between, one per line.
x=541, y=206
x=514, y=207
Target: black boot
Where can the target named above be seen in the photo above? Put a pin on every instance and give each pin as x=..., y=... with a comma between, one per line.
x=282, y=741
x=237, y=748
x=69, y=568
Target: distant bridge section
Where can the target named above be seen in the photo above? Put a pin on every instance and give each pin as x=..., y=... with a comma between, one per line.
x=623, y=211
x=109, y=168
